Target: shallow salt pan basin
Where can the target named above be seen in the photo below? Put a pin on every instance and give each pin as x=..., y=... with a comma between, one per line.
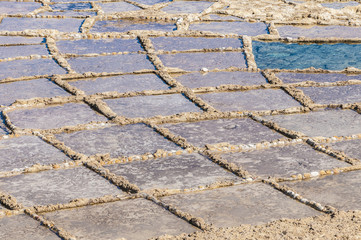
x=21, y=68
x=122, y=83
x=175, y=172
x=20, y=24
x=260, y=99
x=283, y=161
x=315, y=77
x=183, y=43
x=149, y=106
x=292, y=56
x=9, y=92
x=320, y=32
x=323, y=123
x=334, y=95
x=118, y=141
x=57, y=186
x=233, y=131
x=125, y=26
x=210, y=60
x=26, y=151
x=241, y=28
x=55, y=116
x=214, y=79
x=85, y=46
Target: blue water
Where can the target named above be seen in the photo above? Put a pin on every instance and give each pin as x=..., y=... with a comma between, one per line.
x=292, y=56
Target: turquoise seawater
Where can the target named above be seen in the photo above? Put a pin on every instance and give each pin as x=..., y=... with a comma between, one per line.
x=292, y=56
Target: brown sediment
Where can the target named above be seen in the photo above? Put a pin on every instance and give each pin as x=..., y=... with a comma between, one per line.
x=247, y=45
x=9, y=201
x=343, y=225
x=54, y=52
x=227, y=147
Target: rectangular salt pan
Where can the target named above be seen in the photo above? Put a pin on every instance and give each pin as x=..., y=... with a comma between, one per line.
x=175, y=172
x=320, y=31
x=334, y=95
x=233, y=131
x=187, y=7
x=118, y=141
x=9, y=92
x=21, y=68
x=150, y=106
x=21, y=24
x=55, y=116
x=25, y=50
x=323, y=123
x=209, y=60
x=287, y=77
x=241, y=28
x=111, y=63
x=182, y=43
x=294, y=56
x=125, y=26
x=283, y=161
x=260, y=99
x=86, y=46
x=18, y=7
x=123, y=83
x=214, y=79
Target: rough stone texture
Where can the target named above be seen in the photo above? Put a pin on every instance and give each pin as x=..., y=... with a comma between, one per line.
x=320, y=77
x=323, y=123
x=283, y=161
x=86, y=46
x=117, y=140
x=25, y=151
x=197, y=61
x=24, y=227
x=334, y=95
x=57, y=186
x=320, y=31
x=148, y=106
x=182, y=43
x=21, y=68
x=20, y=24
x=9, y=92
x=55, y=116
x=262, y=99
x=25, y=50
x=234, y=131
x=241, y=28
x=175, y=172
x=214, y=79
x=123, y=83
x=113, y=63
x=125, y=26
